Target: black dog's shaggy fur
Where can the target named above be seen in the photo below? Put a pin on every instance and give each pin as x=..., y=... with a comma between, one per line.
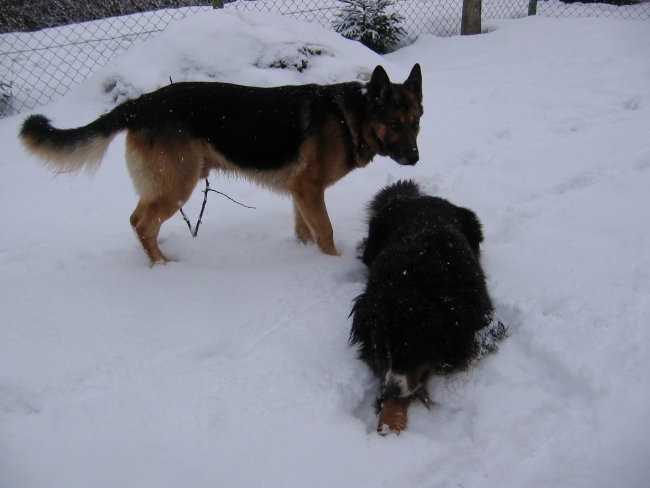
x=426, y=296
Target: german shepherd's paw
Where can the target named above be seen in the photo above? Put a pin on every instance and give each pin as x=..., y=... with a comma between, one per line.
x=330, y=250
x=303, y=234
x=162, y=262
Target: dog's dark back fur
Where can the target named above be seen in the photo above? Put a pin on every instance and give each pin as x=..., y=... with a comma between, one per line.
x=290, y=113
x=426, y=293
x=189, y=106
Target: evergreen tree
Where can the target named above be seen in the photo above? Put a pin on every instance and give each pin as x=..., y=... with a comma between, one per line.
x=368, y=22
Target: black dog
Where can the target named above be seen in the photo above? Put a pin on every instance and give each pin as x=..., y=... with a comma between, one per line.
x=426, y=301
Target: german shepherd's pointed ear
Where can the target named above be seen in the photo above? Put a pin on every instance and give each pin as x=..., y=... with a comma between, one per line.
x=414, y=82
x=379, y=77
x=379, y=86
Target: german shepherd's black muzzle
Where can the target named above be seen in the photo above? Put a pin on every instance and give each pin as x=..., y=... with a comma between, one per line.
x=412, y=156
x=405, y=156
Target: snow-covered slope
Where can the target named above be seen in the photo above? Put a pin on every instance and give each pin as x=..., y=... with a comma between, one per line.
x=231, y=366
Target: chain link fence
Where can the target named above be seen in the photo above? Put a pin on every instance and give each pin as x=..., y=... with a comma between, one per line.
x=38, y=67
x=621, y=9
x=442, y=17
x=439, y=17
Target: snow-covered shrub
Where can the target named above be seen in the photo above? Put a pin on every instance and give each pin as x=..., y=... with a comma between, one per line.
x=293, y=57
x=368, y=22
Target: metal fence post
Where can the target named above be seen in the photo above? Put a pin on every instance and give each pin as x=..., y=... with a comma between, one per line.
x=532, y=7
x=471, y=20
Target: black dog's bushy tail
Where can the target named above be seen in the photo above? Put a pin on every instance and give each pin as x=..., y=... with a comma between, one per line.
x=400, y=189
x=67, y=150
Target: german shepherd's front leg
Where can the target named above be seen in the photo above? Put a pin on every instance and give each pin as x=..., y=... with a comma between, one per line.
x=303, y=232
x=309, y=203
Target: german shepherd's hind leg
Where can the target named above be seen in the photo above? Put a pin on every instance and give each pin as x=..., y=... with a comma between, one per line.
x=309, y=199
x=147, y=218
x=164, y=168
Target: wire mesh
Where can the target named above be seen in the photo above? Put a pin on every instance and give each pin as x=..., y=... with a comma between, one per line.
x=38, y=67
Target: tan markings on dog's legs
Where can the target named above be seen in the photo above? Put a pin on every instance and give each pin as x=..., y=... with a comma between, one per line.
x=303, y=233
x=164, y=167
x=137, y=214
x=148, y=226
x=310, y=200
x=322, y=160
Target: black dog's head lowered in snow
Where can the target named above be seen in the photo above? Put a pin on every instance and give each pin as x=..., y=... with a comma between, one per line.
x=426, y=307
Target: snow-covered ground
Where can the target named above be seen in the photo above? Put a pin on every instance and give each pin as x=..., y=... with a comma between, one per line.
x=231, y=366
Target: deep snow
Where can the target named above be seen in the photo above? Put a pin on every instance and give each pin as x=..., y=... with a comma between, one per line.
x=231, y=366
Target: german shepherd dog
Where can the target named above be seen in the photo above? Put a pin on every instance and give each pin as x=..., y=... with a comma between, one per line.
x=426, y=307
x=296, y=140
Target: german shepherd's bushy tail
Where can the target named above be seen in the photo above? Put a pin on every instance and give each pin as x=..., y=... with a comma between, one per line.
x=69, y=150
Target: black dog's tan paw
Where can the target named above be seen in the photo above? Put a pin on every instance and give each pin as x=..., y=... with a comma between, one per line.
x=393, y=416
